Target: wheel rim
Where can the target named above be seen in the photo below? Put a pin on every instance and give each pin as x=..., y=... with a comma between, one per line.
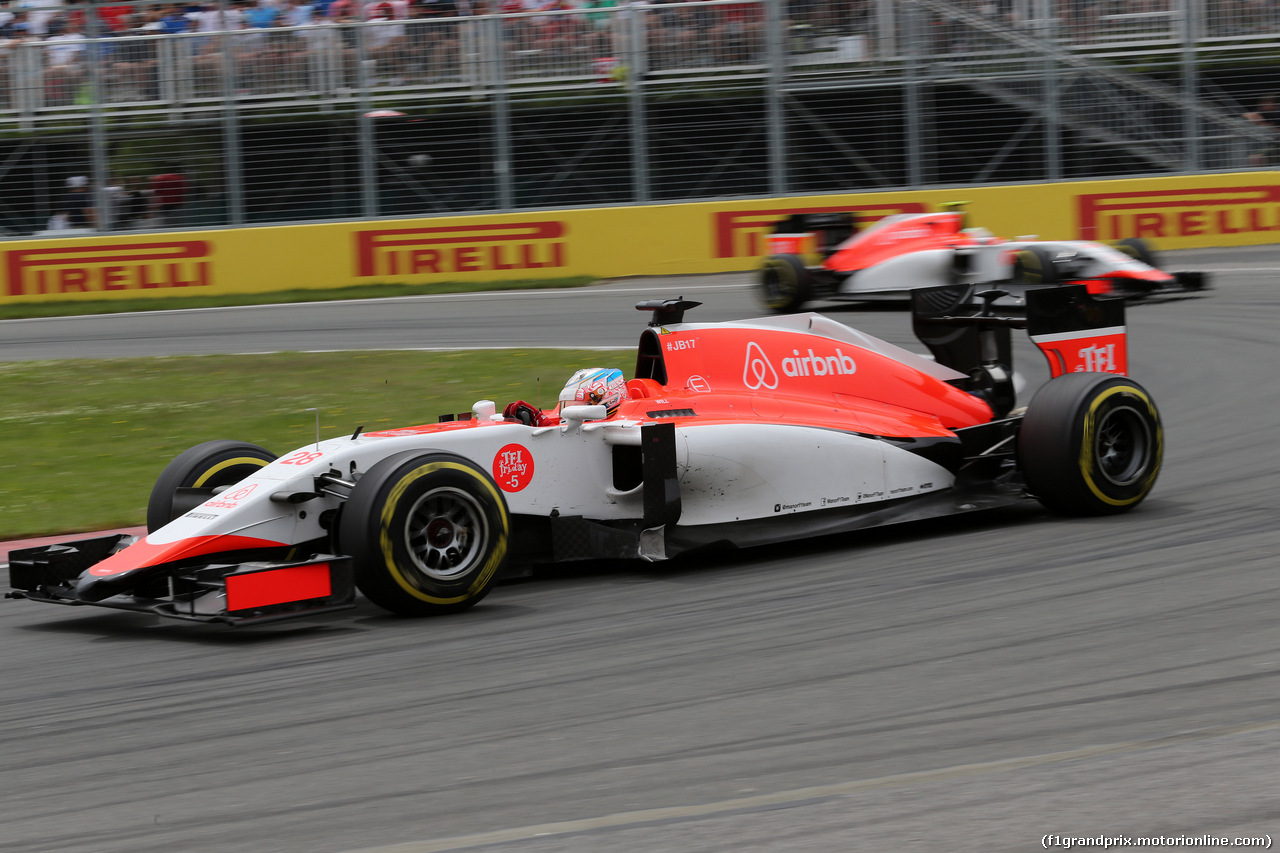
x=446, y=533
x=777, y=291
x=1028, y=268
x=1122, y=445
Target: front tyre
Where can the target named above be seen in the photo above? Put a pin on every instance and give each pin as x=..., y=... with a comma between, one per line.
x=1034, y=265
x=786, y=283
x=1139, y=250
x=197, y=474
x=1091, y=444
x=428, y=533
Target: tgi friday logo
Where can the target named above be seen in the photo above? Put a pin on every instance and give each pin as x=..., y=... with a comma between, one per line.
x=758, y=372
x=1097, y=359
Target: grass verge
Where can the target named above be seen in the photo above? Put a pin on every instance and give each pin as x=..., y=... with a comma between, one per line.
x=28, y=310
x=85, y=440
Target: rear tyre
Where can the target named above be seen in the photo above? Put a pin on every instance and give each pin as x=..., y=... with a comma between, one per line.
x=197, y=474
x=428, y=533
x=1091, y=444
x=1139, y=250
x=1034, y=265
x=786, y=284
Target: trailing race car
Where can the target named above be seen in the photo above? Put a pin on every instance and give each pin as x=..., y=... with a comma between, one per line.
x=819, y=256
x=737, y=434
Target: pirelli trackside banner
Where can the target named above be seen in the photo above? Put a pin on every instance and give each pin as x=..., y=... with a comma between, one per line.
x=1173, y=213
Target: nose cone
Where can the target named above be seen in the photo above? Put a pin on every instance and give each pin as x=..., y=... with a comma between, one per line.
x=123, y=571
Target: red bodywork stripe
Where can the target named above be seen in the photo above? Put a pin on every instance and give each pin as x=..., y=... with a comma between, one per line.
x=144, y=553
x=277, y=586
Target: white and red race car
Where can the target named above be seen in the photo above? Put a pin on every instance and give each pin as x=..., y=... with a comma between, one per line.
x=738, y=433
x=821, y=256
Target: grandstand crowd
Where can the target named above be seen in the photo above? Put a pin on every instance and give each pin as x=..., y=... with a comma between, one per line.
x=50, y=20
x=409, y=40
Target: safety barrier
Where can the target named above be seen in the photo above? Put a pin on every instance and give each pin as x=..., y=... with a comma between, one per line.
x=1174, y=213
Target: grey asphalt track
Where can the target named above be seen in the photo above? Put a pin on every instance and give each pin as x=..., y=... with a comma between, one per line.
x=968, y=685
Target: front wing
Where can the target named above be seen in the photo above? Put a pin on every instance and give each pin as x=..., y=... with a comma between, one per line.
x=1184, y=282
x=225, y=592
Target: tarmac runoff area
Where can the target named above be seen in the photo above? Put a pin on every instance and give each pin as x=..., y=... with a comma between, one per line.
x=1010, y=682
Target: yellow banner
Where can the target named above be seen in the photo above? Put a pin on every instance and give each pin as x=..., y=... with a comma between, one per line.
x=1173, y=213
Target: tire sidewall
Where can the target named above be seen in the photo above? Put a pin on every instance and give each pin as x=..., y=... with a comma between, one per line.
x=784, y=283
x=1139, y=250
x=1057, y=443
x=372, y=530
x=1108, y=402
x=1034, y=265
x=221, y=462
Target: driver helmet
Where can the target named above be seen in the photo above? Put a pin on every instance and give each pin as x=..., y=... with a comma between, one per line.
x=595, y=386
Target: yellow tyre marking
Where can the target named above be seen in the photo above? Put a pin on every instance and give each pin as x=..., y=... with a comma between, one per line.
x=388, y=551
x=791, y=279
x=1086, y=444
x=222, y=466
x=1032, y=271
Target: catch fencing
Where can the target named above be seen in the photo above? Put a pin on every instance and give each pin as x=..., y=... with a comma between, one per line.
x=631, y=104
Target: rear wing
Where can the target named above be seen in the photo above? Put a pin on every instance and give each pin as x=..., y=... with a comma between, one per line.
x=966, y=327
x=811, y=234
x=1077, y=333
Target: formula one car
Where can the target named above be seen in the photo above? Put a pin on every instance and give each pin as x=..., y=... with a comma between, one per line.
x=819, y=256
x=729, y=434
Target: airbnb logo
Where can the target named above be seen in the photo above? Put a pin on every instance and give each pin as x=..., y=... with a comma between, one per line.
x=757, y=372
x=819, y=365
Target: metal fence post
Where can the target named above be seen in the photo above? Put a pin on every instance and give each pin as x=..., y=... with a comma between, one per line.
x=367, y=144
x=911, y=94
x=776, y=50
x=232, y=149
x=641, y=191
x=98, y=138
x=1052, y=127
x=501, y=114
x=886, y=30
x=1190, y=12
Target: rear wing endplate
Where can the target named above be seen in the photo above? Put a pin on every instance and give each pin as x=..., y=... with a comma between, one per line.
x=1077, y=333
x=966, y=327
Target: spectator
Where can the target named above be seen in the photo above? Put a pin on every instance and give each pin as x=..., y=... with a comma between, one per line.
x=133, y=73
x=133, y=204
x=64, y=44
x=387, y=9
x=437, y=8
x=1266, y=115
x=215, y=19
x=174, y=21
x=262, y=15
x=112, y=194
x=17, y=27
x=434, y=44
x=284, y=60
x=342, y=9
x=66, y=72
x=115, y=18
x=300, y=14
x=386, y=43
x=77, y=205
x=168, y=195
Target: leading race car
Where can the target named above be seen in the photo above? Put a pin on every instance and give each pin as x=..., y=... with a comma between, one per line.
x=736, y=434
x=822, y=256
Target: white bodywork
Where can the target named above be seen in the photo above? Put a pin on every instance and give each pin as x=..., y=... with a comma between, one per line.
x=727, y=473
x=989, y=262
